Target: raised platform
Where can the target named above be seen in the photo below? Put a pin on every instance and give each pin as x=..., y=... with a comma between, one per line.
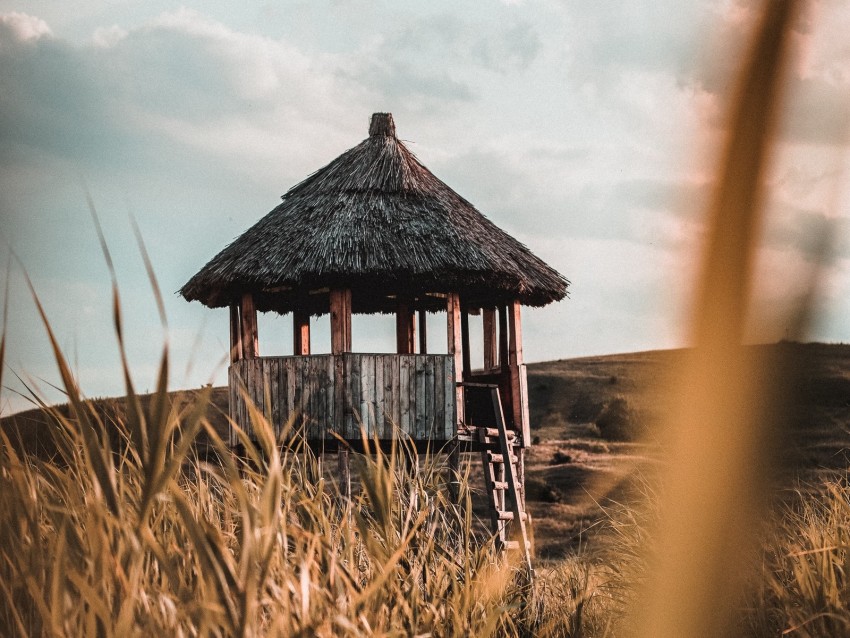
x=385, y=394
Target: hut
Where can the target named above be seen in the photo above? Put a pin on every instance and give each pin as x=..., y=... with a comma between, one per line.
x=375, y=231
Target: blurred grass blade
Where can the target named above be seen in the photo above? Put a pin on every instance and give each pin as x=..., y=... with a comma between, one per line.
x=713, y=485
x=157, y=294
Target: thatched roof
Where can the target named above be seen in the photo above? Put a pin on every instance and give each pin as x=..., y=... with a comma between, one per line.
x=377, y=221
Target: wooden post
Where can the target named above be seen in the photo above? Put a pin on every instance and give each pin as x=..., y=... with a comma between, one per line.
x=464, y=327
x=503, y=337
x=235, y=334
x=515, y=352
x=340, y=311
x=405, y=328
x=423, y=332
x=455, y=349
x=300, y=333
x=519, y=384
x=250, y=341
x=340, y=303
x=491, y=352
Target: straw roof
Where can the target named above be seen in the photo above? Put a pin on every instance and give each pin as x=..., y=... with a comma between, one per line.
x=376, y=221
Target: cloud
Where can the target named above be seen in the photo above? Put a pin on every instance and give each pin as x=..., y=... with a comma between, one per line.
x=108, y=37
x=23, y=27
x=181, y=79
x=434, y=62
x=818, y=82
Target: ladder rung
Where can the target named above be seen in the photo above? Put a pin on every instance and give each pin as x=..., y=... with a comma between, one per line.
x=500, y=458
x=494, y=433
x=509, y=516
x=514, y=544
x=499, y=485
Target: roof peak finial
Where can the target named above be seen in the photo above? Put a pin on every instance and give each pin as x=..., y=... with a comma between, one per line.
x=382, y=124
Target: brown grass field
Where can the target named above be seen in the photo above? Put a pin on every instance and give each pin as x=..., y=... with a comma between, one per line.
x=590, y=420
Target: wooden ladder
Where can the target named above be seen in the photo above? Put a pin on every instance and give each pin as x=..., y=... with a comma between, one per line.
x=507, y=508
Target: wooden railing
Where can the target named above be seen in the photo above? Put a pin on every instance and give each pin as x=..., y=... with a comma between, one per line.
x=384, y=393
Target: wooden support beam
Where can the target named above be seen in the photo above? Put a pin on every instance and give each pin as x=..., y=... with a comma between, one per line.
x=250, y=341
x=464, y=326
x=491, y=352
x=340, y=307
x=503, y=337
x=515, y=346
x=455, y=348
x=405, y=328
x=423, y=332
x=235, y=334
x=519, y=384
x=300, y=333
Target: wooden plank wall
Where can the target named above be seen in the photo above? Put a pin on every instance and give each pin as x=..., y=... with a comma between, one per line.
x=385, y=393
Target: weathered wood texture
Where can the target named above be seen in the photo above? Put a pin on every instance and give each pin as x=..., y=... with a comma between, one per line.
x=300, y=333
x=423, y=333
x=455, y=346
x=235, y=334
x=340, y=306
x=405, y=329
x=248, y=314
x=491, y=345
x=503, y=337
x=519, y=383
x=385, y=393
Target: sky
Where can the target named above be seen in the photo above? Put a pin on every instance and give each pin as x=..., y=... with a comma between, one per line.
x=588, y=130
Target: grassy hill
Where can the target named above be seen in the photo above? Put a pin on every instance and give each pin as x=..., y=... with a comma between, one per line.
x=589, y=417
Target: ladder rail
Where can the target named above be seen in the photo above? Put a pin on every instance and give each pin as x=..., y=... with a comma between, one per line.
x=518, y=525
x=500, y=459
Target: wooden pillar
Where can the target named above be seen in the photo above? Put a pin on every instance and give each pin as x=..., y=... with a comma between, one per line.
x=491, y=352
x=455, y=348
x=503, y=337
x=340, y=311
x=423, y=332
x=519, y=384
x=340, y=305
x=300, y=333
x=405, y=328
x=250, y=341
x=464, y=327
x=235, y=334
x=515, y=345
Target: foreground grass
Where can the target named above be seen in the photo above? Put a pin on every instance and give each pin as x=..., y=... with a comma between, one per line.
x=128, y=533
x=113, y=539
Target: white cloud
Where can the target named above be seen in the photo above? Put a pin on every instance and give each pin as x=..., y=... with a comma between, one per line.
x=24, y=27
x=107, y=37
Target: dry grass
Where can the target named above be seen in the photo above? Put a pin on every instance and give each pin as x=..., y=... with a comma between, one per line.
x=128, y=533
